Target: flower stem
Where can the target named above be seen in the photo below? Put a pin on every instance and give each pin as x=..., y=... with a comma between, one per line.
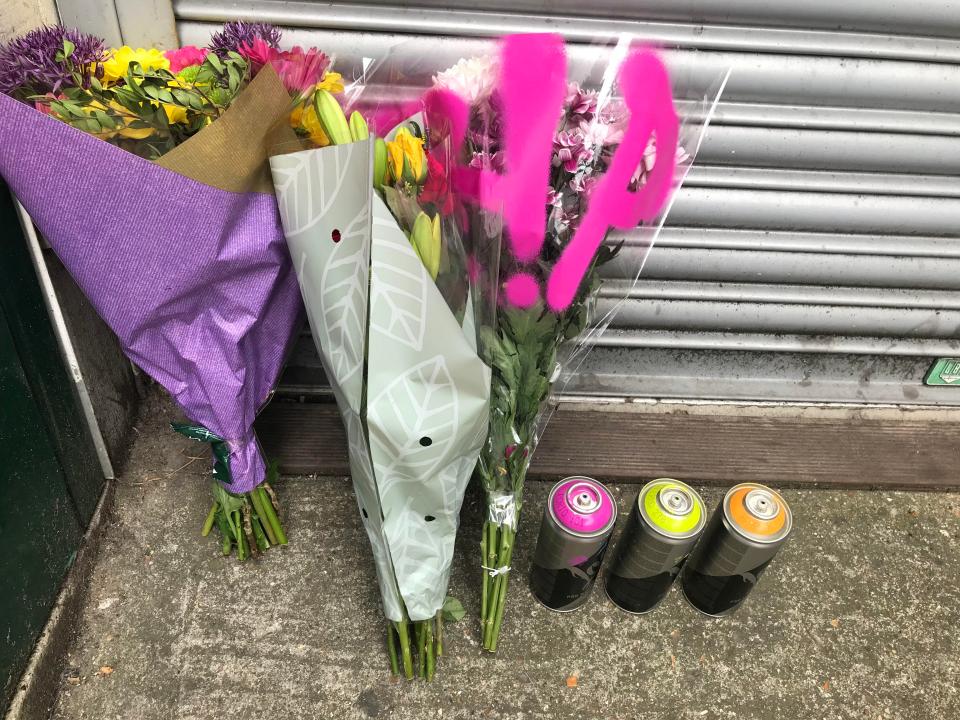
x=428, y=641
x=208, y=523
x=505, y=559
x=263, y=542
x=403, y=628
x=272, y=518
x=486, y=577
x=257, y=497
x=439, y=633
x=494, y=617
x=392, y=649
x=421, y=647
x=490, y=561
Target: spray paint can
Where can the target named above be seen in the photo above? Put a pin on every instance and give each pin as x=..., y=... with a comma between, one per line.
x=574, y=534
x=662, y=529
x=743, y=536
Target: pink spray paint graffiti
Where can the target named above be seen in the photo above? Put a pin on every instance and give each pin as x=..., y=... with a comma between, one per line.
x=532, y=89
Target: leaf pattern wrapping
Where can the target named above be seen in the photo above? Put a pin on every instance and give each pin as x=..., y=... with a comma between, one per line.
x=426, y=416
x=324, y=204
x=420, y=406
x=412, y=453
x=398, y=299
x=309, y=183
x=343, y=289
x=368, y=500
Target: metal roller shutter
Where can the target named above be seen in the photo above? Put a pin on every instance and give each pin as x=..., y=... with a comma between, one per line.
x=812, y=255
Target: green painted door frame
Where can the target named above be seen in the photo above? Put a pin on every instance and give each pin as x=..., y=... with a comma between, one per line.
x=50, y=479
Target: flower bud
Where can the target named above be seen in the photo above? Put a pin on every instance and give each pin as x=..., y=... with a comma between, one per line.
x=332, y=119
x=379, y=163
x=358, y=127
x=422, y=239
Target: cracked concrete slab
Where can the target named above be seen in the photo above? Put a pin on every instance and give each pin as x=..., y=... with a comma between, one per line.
x=856, y=618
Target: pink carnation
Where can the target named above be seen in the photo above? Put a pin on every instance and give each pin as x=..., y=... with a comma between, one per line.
x=185, y=57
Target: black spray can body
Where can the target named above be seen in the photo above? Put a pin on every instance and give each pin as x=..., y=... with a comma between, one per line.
x=743, y=536
x=662, y=529
x=574, y=534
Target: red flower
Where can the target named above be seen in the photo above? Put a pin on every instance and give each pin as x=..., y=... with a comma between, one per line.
x=436, y=189
x=299, y=70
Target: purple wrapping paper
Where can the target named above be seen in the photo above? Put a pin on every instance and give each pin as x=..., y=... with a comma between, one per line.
x=195, y=281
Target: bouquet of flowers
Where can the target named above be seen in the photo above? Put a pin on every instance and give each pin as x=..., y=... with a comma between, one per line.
x=369, y=222
x=562, y=164
x=147, y=173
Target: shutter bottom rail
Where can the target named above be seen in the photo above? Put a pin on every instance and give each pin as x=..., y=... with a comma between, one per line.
x=835, y=450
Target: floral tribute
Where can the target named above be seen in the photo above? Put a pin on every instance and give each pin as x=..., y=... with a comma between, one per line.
x=185, y=258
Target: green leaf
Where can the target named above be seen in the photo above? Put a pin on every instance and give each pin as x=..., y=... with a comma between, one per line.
x=214, y=62
x=68, y=48
x=182, y=96
x=234, y=76
x=105, y=120
x=452, y=609
x=228, y=501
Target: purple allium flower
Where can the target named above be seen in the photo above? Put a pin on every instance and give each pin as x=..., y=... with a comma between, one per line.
x=28, y=64
x=234, y=34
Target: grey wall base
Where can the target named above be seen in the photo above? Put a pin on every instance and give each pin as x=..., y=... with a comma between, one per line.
x=113, y=387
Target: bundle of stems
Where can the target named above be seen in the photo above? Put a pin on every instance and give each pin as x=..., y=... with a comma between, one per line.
x=248, y=522
x=522, y=351
x=423, y=638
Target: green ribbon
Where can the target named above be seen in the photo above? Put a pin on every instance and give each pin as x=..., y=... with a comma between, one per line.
x=221, y=451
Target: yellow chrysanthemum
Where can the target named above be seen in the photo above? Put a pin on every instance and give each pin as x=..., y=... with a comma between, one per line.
x=306, y=119
x=119, y=59
x=332, y=82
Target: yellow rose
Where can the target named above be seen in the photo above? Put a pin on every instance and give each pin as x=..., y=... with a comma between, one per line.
x=306, y=119
x=406, y=146
x=118, y=60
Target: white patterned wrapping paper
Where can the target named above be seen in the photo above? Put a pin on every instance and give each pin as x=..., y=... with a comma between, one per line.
x=382, y=326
